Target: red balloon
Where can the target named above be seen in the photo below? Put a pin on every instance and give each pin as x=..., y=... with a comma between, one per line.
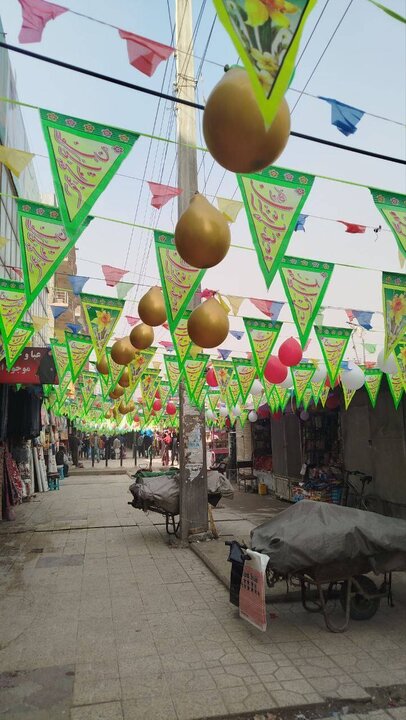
x=332, y=402
x=275, y=372
x=277, y=415
x=290, y=352
x=171, y=408
x=157, y=405
x=211, y=378
x=157, y=394
x=136, y=418
x=328, y=382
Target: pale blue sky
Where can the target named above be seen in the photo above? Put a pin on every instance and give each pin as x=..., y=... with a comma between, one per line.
x=363, y=66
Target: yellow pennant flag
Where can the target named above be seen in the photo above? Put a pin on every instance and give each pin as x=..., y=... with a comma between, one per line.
x=195, y=350
x=223, y=304
x=235, y=302
x=39, y=321
x=15, y=160
x=3, y=241
x=60, y=335
x=229, y=208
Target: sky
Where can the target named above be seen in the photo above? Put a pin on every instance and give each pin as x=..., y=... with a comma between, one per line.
x=357, y=59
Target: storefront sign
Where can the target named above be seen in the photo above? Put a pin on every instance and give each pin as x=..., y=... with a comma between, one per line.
x=35, y=366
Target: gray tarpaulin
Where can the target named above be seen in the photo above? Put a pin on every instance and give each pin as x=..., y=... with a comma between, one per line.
x=162, y=490
x=311, y=534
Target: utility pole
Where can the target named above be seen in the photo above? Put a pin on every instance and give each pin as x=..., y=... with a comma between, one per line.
x=192, y=451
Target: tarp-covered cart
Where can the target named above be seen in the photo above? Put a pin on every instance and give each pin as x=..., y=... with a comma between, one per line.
x=333, y=549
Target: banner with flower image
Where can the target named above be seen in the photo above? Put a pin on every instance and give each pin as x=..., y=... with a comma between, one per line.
x=193, y=370
x=138, y=366
x=262, y=335
x=15, y=344
x=394, y=309
x=223, y=370
x=373, y=379
x=149, y=385
x=305, y=283
x=400, y=357
x=87, y=384
x=102, y=315
x=173, y=372
x=266, y=35
x=245, y=372
x=61, y=357
x=13, y=304
x=79, y=348
x=44, y=242
x=84, y=156
x=393, y=208
x=333, y=342
x=178, y=279
x=273, y=201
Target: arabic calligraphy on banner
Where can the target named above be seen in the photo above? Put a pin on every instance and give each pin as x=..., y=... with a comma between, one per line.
x=34, y=366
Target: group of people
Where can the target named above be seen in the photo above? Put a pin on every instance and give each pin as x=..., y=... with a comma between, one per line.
x=160, y=444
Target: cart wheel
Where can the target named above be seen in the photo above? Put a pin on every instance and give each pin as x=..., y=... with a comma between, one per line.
x=361, y=607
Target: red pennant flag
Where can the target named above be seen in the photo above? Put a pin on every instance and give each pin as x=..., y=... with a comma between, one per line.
x=350, y=315
x=131, y=319
x=165, y=325
x=205, y=294
x=36, y=14
x=249, y=355
x=161, y=194
x=353, y=228
x=145, y=54
x=166, y=343
x=113, y=275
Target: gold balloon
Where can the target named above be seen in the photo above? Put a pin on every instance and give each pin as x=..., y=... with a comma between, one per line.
x=151, y=307
x=208, y=324
x=142, y=336
x=124, y=381
x=102, y=365
x=202, y=234
x=122, y=408
x=116, y=393
x=108, y=414
x=234, y=128
x=131, y=406
x=122, y=351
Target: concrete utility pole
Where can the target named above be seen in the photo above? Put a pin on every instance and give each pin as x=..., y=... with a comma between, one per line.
x=192, y=452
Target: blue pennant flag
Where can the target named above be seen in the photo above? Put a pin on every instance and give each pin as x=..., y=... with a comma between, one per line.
x=58, y=310
x=237, y=334
x=344, y=365
x=344, y=117
x=364, y=318
x=300, y=223
x=223, y=353
x=77, y=282
x=76, y=328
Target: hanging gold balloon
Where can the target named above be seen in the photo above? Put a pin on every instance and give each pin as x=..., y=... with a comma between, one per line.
x=208, y=325
x=122, y=408
x=131, y=406
x=116, y=393
x=124, y=381
x=122, y=352
x=102, y=365
x=142, y=336
x=151, y=307
x=202, y=234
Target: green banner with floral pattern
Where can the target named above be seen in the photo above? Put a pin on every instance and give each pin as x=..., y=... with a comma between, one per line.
x=149, y=385
x=262, y=335
x=102, y=315
x=400, y=356
x=178, y=279
x=273, y=200
x=61, y=357
x=79, y=349
x=13, y=304
x=87, y=383
x=333, y=342
x=15, y=344
x=223, y=370
x=393, y=208
x=305, y=283
x=394, y=309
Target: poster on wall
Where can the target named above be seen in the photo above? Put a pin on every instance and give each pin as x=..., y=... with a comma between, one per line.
x=35, y=366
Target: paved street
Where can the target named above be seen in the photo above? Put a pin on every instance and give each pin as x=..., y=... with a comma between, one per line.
x=101, y=619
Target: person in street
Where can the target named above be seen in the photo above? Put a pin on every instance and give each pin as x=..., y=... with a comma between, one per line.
x=166, y=444
x=101, y=448
x=61, y=459
x=94, y=447
x=117, y=447
x=174, y=448
x=74, y=448
x=140, y=445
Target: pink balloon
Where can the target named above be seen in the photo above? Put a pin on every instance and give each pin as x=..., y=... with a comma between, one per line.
x=275, y=372
x=157, y=405
x=290, y=352
x=211, y=378
x=171, y=408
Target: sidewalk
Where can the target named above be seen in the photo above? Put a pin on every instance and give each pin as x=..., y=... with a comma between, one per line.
x=103, y=619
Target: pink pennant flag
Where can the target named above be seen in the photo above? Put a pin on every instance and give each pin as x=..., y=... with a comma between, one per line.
x=249, y=355
x=161, y=194
x=205, y=294
x=131, y=320
x=353, y=228
x=113, y=275
x=145, y=54
x=270, y=308
x=165, y=325
x=166, y=343
x=36, y=14
x=350, y=315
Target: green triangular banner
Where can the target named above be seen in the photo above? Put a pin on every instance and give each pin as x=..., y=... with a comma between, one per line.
x=262, y=335
x=149, y=386
x=173, y=372
x=200, y=392
x=348, y=396
x=179, y=280
x=105, y=382
x=394, y=309
x=257, y=400
x=88, y=383
x=84, y=157
x=12, y=305
x=373, y=378
x=115, y=370
x=63, y=386
x=17, y=342
x=102, y=315
x=333, y=342
x=307, y=397
x=61, y=358
x=181, y=340
x=283, y=395
x=223, y=370
x=193, y=369
x=317, y=389
x=138, y=366
x=302, y=375
x=44, y=242
x=400, y=357
x=393, y=208
x=305, y=283
x=214, y=399
x=245, y=373
x=233, y=392
x=79, y=349
x=396, y=388
x=324, y=395
x=273, y=200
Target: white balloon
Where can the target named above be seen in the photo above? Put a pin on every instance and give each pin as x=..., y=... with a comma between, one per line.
x=320, y=373
x=387, y=366
x=287, y=383
x=252, y=417
x=210, y=415
x=236, y=411
x=353, y=378
x=257, y=388
x=223, y=411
